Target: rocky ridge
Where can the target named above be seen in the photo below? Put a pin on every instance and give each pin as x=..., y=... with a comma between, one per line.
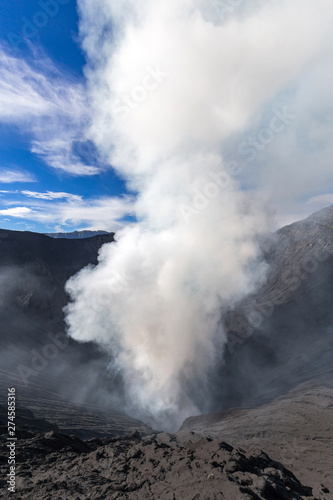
x=160, y=466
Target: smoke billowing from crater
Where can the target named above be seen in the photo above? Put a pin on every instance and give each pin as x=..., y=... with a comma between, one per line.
x=155, y=300
x=170, y=82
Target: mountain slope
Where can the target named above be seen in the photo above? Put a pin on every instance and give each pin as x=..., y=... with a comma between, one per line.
x=282, y=335
x=49, y=370
x=33, y=271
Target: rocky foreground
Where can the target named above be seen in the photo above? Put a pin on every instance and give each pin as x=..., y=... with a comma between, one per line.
x=55, y=466
x=280, y=450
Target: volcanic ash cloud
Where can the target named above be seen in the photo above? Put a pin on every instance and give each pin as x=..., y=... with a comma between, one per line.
x=169, y=82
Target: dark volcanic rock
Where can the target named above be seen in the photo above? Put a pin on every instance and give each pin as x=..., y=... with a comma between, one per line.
x=26, y=422
x=161, y=466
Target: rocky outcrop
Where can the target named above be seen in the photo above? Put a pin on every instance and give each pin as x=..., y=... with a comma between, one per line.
x=159, y=466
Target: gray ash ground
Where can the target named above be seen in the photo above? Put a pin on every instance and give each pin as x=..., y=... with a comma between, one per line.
x=279, y=451
x=55, y=466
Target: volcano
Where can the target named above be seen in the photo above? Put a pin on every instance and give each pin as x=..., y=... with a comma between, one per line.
x=268, y=430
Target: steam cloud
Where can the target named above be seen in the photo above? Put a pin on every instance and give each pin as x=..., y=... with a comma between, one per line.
x=170, y=82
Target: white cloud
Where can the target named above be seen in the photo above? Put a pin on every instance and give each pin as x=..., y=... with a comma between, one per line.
x=10, y=176
x=20, y=212
x=51, y=195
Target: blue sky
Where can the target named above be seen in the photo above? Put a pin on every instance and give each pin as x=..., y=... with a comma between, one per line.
x=37, y=191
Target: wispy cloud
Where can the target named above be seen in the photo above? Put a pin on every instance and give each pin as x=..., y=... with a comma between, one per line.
x=51, y=195
x=47, y=104
x=58, y=154
x=11, y=176
x=64, y=209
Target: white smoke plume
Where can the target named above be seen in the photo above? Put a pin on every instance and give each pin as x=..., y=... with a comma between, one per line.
x=170, y=81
